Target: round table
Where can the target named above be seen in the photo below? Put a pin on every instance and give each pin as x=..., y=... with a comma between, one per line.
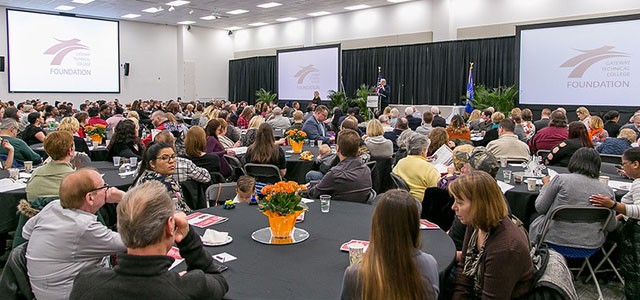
x=296, y=167
x=96, y=154
x=312, y=269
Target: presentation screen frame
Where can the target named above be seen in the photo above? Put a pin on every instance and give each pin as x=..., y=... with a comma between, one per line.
x=518, y=41
x=117, y=22
x=323, y=96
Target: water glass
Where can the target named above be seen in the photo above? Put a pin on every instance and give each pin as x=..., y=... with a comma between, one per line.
x=28, y=165
x=604, y=179
x=14, y=173
x=531, y=184
x=325, y=203
x=503, y=162
x=319, y=143
x=116, y=161
x=95, y=144
x=507, y=175
x=312, y=143
x=133, y=161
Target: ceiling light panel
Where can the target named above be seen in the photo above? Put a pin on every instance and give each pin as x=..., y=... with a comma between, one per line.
x=65, y=7
x=356, y=7
x=258, y=24
x=286, y=19
x=319, y=13
x=186, y=22
x=153, y=9
x=82, y=1
x=269, y=5
x=178, y=3
x=130, y=16
x=208, y=18
x=237, y=12
x=233, y=28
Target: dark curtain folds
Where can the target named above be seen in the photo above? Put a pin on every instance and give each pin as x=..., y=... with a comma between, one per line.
x=434, y=73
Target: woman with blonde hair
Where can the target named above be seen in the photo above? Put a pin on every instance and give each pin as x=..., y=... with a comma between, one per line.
x=492, y=243
x=393, y=267
x=584, y=115
x=618, y=145
x=250, y=136
x=474, y=119
x=377, y=144
x=71, y=125
x=222, y=135
x=597, y=134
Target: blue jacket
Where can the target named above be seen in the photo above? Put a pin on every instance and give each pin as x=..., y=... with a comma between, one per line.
x=315, y=130
x=615, y=146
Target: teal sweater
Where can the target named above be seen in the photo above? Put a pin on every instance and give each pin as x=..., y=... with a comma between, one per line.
x=22, y=152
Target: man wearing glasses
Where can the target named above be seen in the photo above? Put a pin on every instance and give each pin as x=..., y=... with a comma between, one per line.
x=66, y=235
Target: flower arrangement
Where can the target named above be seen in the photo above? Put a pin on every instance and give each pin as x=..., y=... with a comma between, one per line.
x=307, y=155
x=296, y=135
x=282, y=198
x=96, y=132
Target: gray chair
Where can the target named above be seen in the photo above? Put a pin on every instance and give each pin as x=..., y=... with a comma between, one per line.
x=610, y=158
x=372, y=165
x=399, y=182
x=14, y=281
x=218, y=193
x=543, y=153
x=357, y=196
x=264, y=173
x=236, y=167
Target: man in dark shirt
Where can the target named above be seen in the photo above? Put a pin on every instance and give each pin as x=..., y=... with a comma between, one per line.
x=350, y=179
x=149, y=226
x=413, y=121
x=438, y=121
x=401, y=125
x=611, y=125
x=544, y=119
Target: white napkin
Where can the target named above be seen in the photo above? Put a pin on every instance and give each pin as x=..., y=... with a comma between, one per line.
x=214, y=237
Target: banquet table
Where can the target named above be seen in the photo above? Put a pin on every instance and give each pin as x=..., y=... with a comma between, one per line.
x=312, y=269
x=522, y=201
x=96, y=154
x=296, y=167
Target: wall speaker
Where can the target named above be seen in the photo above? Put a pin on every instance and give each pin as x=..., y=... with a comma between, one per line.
x=126, y=69
x=1, y=63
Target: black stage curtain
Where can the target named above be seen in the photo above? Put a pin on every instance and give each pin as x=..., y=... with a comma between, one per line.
x=248, y=75
x=433, y=73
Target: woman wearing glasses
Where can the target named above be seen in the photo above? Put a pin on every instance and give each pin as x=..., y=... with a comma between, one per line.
x=159, y=163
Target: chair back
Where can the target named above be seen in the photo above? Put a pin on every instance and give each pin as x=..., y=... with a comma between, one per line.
x=543, y=153
x=371, y=164
x=380, y=178
x=217, y=177
x=611, y=158
x=436, y=207
x=236, y=166
x=218, y=193
x=194, y=194
x=609, y=168
x=14, y=281
x=399, y=182
x=576, y=214
x=264, y=173
x=364, y=195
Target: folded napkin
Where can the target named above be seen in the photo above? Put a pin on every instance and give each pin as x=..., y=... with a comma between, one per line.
x=214, y=237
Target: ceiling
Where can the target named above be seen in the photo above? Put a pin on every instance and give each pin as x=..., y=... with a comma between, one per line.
x=193, y=11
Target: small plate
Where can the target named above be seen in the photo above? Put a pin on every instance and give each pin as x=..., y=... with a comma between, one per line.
x=229, y=240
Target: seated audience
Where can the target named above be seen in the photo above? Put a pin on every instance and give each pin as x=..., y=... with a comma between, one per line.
x=335, y=119
x=249, y=137
x=117, y=116
x=45, y=181
x=245, y=189
x=222, y=135
x=377, y=144
x=437, y=137
x=82, y=117
x=185, y=168
x=527, y=124
x=393, y=255
x=584, y=115
x=508, y=145
x=635, y=124
x=277, y=121
x=394, y=115
x=94, y=117
x=350, y=179
x=314, y=126
x=213, y=146
x=629, y=207
x=401, y=126
x=611, y=125
x=474, y=120
x=458, y=129
x=492, y=133
x=617, y=146
x=71, y=125
x=550, y=136
x=485, y=123
x=519, y=129
x=65, y=236
x=545, y=117
x=149, y=226
x=160, y=121
x=33, y=133
x=425, y=128
x=415, y=170
x=22, y=152
x=324, y=161
x=125, y=141
x=7, y=161
x=411, y=120
x=265, y=150
x=574, y=188
x=597, y=134
x=245, y=116
x=460, y=157
x=577, y=138
x=194, y=147
x=492, y=243
x=438, y=121
x=297, y=120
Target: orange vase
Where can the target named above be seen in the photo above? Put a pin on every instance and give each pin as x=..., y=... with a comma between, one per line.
x=281, y=226
x=96, y=138
x=296, y=146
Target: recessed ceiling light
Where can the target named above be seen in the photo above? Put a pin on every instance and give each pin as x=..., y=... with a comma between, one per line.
x=355, y=7
x=186, y=22
x=237, y=12
x=287, y=19
x=178, y=3
x=130, y=16
x=153, y=9
x=82, y=1
x=258, y=24
x=269, y=5
x=65, y=7
x=208, y=18
x=233, y=28
x=397, y=1
x=319, y=13
x=171, y=8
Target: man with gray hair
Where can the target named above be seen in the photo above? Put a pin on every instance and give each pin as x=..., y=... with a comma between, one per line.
x=386, y=126
x=413, y=121
x=159, y=120
x=277, y=121
x=415, y=170
x=635, y=126
x=149, y=226
x=22, y=152
x=438, y=121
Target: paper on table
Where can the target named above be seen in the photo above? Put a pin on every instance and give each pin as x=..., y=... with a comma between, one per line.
x=552, y=173
x=515, y=164
x=442, y=156
x=620, y=185
x=203, y=220
x=175, y=253
x=127, y=173
x=307, y=200
x=441, y=168
x=8, y=184
x=224, y=257
x=504, y=187
x=25, y=175
x=214, y=237
x=239, y=150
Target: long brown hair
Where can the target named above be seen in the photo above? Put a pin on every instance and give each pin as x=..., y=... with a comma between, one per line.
x=264, y=149
x=388, y=270
x=438, y=137
x=195, y=142
x=488, y=206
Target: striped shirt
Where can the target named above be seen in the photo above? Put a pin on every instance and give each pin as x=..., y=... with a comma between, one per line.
x=632, y=200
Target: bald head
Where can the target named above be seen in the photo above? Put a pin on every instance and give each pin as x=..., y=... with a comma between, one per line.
x=76, y=185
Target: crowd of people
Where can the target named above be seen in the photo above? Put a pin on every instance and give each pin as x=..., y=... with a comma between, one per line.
x=176, y=141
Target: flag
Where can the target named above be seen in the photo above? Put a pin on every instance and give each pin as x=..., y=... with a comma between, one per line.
x=468, y=108
x=378, y=82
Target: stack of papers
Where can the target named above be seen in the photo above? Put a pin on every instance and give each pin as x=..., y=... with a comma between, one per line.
x=203, y=220
x=504, y=187
x=345, y=246
x=424, y=224
x=239, y=150
x=8, y=184
x=443, y=156
x=620, y=185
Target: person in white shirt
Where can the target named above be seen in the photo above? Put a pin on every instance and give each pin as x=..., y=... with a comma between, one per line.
x=279, y=122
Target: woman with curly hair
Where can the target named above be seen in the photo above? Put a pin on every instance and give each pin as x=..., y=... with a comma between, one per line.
x=458, y=129
x=125, y=141
x=438, y=137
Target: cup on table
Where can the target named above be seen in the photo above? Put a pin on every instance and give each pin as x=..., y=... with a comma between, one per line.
x=95, y=144
x=356, y=252
x=503, y=162
x=14, y=173
x=312, y=143
x=319, y=143
x=116, y=161
x=325, y=203
x=106, y=143
x=133, y=162
x=507, y=175
x=517, y=178
x=604, y=179
x=531, y=184
x=28, y=165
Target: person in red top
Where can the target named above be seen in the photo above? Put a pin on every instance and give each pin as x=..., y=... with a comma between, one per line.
x=245, y=116
x=82, y=118
x=158, y=119
x=550, y=136
x=94, y=117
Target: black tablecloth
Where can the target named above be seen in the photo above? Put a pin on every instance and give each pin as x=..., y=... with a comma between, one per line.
x=296, y=167
x=96, y=154
x=522, y=201
x=312, y=269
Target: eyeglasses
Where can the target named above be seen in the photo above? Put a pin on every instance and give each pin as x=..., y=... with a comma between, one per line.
x=166, y=158
x=105, y=186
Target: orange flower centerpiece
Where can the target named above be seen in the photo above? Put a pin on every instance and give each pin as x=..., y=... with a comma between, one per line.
x=96, y=132
x=296, y=139
x=281, y=202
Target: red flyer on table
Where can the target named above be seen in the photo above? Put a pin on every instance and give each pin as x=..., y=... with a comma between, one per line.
x=424, y=224
x=345, y=246
x=203, y=220
x=175, y=253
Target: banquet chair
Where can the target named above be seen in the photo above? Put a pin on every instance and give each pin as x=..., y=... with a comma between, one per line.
x=193, y=193
x=358, y=196
x=236, y=167
x=543, y=153
x=610, y=158
x=14, y=281
x=436, y=207
x=371, y=164
x=218, y=193
x=582, y=215
x=399, y=182
x=264, y=173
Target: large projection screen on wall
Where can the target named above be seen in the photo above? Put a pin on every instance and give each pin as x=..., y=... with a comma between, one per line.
x=585, y=63
x=302, y=71
x=62, y=54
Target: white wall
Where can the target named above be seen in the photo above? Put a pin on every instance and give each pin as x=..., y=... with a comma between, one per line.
x=156, y=54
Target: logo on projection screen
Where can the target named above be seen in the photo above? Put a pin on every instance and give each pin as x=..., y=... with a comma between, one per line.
x=614, y=72
x=308, y=78
x=79, y=61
